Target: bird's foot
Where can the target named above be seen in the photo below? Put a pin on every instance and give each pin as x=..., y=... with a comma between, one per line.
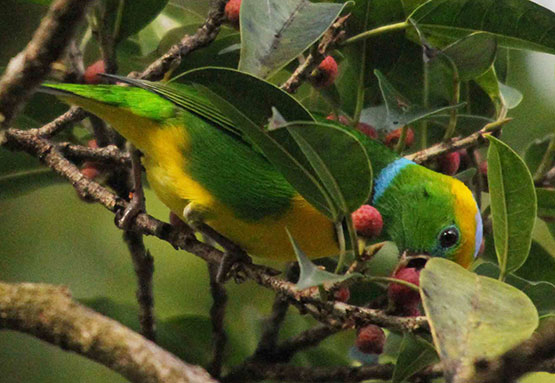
x=231, y=259
x=125, y=217
x=137, y=203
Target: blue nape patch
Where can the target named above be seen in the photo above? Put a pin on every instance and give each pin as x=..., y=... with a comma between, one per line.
x=382, y=182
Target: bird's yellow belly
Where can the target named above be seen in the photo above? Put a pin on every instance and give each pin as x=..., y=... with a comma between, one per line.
x=265, y=238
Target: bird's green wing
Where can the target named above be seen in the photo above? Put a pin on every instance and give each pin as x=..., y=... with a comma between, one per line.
x=184, y=96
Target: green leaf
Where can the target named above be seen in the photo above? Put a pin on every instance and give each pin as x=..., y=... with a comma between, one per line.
x=414, y=355
x=512, y=96
x=546, y=202
x=534, y=153
x=274, y=32
x=339, y=160
x=519, y=24
x=135, y=15
x=311, y=275
x=397, y=110
x=472, y=316
x=473, y=55
x=541, y=293
x=513, y=205
x=539, y=266
x=489, y=84
x=248, y=101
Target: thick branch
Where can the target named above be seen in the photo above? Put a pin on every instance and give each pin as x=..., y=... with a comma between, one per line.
x=144, y=269
x=49, y=313
x=288, y=373
x=29, y=68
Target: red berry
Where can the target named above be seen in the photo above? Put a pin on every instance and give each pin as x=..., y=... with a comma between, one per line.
x=449, y=163
x=410, y=310
x=90, y=170
x=393, y=137
x=401, y=295
x=370, y=339
x=367, y=129
x=327, y=72
x=343, y=294
x=342, y=119
x=92, y=144
x=484, y=168
x=232, y=9
x=92, y=71
x=367, y=221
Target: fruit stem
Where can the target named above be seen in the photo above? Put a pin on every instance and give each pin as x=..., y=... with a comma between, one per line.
x=377, y=31
x=411, y=286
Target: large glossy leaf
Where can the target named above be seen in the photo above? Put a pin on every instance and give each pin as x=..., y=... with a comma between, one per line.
x=135, y=15
x=414, y=355
x=520, y=24
x=541, y=293
x=397, y=110
x=320, y=161
x=248, y=101
x=274, y=32
x=473, y=55
x=472, y=316
x=539, y=266
x=340, y=161
x=513, y=205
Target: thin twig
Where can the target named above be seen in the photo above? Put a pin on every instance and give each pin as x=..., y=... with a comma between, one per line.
x=72, y=116
x=144, y=269
x=49, y=313
x=269, y=338
x=474, y=139
x=217, y=314
x=330, y=39
x=111, y=154
x=29, y=68
x=204, y=36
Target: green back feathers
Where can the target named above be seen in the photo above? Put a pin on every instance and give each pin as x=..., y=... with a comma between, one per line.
x=138, y=101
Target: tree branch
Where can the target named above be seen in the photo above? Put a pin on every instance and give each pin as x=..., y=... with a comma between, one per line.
x=330, y=39
x=48, y=313
x=474, y=139
x=332, y=312
x=204, y=36
x=29, y=68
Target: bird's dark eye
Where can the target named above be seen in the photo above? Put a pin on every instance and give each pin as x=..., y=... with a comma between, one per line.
x=449, y=237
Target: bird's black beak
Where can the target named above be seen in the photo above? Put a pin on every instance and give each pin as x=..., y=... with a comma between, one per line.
x=410, y=259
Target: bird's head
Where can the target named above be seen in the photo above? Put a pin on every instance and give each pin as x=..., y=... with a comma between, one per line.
x=429, y=213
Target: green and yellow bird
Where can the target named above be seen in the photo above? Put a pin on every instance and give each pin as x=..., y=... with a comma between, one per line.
x=191, y=161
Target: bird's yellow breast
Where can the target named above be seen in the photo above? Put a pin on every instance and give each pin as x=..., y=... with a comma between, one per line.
x=267, y=238
x=165, y=147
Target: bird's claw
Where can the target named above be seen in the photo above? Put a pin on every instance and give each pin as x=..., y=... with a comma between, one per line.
x=232, y=259
x=125, y=217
